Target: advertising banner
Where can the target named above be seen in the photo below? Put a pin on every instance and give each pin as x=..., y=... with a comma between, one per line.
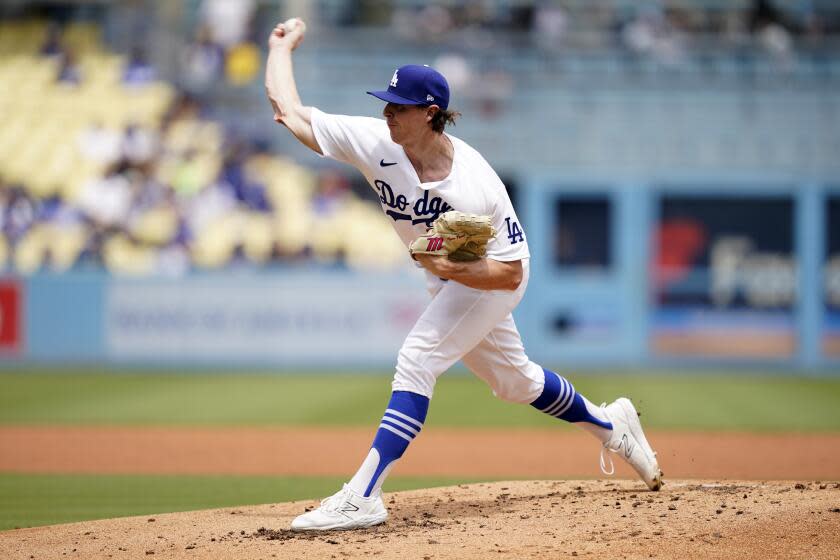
x=724, y=277
x=278, y=319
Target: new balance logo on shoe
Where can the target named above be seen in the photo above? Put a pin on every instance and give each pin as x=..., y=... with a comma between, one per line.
x=628, y=440
x=343, y=510
x=628, y=449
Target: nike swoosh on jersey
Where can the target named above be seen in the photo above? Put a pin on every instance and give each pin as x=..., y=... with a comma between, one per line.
x=383, y=164
x=397, y=216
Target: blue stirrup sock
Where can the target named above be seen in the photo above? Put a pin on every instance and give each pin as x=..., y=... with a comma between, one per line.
x=559, y=399
x=401, y=423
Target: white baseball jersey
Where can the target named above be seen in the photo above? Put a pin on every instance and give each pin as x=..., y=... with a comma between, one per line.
x=472, y=186
x=460, y=323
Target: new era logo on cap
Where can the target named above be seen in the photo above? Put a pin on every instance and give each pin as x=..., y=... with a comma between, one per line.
x=416, y=85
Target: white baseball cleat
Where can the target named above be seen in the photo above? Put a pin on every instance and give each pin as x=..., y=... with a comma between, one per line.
x=629, y=441
x=343, y=510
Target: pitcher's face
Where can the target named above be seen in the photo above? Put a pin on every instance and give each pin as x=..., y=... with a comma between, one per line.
x=406, y=122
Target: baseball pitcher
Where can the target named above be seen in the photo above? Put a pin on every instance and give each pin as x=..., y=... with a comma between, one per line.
x=452, y=212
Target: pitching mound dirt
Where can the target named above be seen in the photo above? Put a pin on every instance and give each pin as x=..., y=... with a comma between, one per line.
x=535, y=519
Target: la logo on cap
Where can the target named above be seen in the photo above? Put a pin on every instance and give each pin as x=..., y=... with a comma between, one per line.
x=412, y=84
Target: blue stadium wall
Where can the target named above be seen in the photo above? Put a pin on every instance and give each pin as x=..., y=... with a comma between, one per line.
x=680, y=272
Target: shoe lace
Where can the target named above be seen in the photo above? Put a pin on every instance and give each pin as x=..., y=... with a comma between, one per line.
x=604, y=463
x=605, y=448
x=334, y=502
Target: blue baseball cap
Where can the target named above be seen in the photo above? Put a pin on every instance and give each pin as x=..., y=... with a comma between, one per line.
x=413, y=84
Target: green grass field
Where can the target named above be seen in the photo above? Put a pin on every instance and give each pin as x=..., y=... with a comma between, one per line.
x=32, y=500
x=718, y=401
x=707, y=402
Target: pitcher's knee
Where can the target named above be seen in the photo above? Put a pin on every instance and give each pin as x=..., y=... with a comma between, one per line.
x=512, y=394
x=516, y=385
x=411, y=376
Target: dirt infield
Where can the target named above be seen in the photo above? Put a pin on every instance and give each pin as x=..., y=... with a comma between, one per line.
x=536, y=519
x=437, y=452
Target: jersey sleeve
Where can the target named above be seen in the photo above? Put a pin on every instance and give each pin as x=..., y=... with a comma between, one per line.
x=348, y=139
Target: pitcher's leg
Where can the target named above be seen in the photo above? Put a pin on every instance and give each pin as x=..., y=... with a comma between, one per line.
x=455, y=321
x=401, y=423
x=500, y=360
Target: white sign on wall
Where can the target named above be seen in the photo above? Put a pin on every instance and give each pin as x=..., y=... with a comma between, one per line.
x=308, y=319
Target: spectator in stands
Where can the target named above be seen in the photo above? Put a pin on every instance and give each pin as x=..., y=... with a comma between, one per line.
x=151, y=193
x=185, y=106
x=243, y=63
x=332, y=194
x=106, y=201
x=100, y=145
x=496, y=91
x=18, y=212
x=202, y=61
x=69, y=72
x=651, y=34
x=188, y=175
x=550, y=25
x=51, y=46
x=248, y=192
x=458, y=72
x=772, y=31
x=434, y=21
x=227, y=21
x=139, y=145
x=138, y=71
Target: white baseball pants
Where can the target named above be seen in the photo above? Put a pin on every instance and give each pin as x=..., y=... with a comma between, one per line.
x=475, y=326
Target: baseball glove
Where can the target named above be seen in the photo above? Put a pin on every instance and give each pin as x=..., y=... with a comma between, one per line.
x=459, y=236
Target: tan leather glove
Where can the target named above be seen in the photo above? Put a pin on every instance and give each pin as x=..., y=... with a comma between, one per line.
x=459, y=236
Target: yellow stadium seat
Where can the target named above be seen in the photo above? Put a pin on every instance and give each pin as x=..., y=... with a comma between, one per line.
x=121, y=256
x=213, y=247
x=65, y=243
x=157, y=226
x=82, y=37
x=242, y=64
x=31, y=250
x=292, y=231
x=257, y=237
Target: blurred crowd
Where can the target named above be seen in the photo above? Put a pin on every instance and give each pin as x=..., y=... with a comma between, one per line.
x=228, y=36
x=122, y=172
x=616, y=20
x=224, y=46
